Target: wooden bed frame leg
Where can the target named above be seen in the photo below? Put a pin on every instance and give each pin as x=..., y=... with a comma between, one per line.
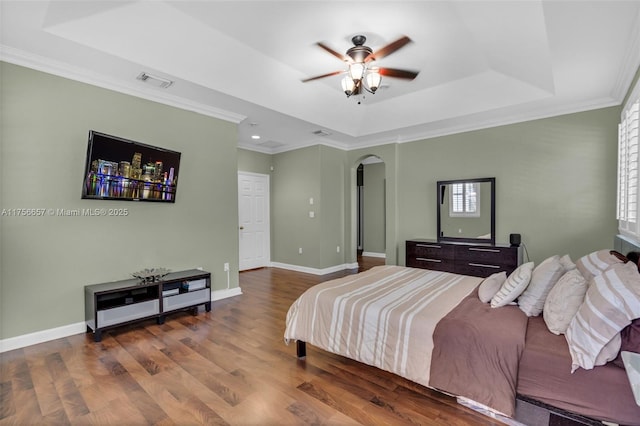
x=301, y=349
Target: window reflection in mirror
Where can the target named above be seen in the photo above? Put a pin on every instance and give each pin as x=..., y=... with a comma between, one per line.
x=464, y=199
x=466, y=210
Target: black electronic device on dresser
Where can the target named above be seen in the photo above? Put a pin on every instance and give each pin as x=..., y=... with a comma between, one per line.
x=479, y=260
x=116, y=303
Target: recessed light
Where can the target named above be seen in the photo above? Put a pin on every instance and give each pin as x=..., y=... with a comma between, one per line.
x=256, y=137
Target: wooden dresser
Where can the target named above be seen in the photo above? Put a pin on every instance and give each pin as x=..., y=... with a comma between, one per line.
x=480, y=260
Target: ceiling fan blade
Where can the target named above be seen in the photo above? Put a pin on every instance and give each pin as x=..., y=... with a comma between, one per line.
x=388, y=49
x=396, y=73
x=322, y=76
x=333, y=52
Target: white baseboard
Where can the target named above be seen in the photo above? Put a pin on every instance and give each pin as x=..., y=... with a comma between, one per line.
x=80, y=327
x=315, y=271
x=372, y=254
x=42, y=336
x=226, y=293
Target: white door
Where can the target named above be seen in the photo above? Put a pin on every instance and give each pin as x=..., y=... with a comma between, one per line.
x=253, y=212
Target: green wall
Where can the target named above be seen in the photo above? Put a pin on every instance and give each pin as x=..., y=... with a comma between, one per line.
x=317, y=173
x=555, y=181
x=555, y=185
x=254, y=162
x=389, y=156
x=331, y=207
x=294, y=181
x=374, y=208
x=46, y=261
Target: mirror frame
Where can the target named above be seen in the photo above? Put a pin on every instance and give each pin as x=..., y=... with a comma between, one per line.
x=439, y=187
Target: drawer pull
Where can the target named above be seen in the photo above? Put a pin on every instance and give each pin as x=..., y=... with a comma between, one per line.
x=428, y=246
x=481, y=265
x=484, y=249
x=429, y=260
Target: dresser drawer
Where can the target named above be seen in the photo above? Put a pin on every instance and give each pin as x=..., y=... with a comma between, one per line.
x=478, y=269
x=431, y=250
x=480, y=260
x=487, y=255
x=430, y=263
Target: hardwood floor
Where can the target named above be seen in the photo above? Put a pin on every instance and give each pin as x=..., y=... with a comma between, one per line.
x=228, y=366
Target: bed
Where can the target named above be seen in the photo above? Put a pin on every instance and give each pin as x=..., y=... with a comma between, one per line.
x=545, y=375
x=430, y=327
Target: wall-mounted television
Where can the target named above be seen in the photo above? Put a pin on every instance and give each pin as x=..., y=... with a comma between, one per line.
x=121, y=169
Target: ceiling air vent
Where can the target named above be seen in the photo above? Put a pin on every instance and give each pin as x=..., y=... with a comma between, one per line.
x=321, y=133
x=154, y=80
x=272, y=144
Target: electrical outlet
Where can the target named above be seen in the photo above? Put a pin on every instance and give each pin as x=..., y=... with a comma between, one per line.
x=338, y=249
x=300, y=250
x=226, y=267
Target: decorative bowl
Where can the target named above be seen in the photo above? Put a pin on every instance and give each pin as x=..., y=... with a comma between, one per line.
x=150, y=275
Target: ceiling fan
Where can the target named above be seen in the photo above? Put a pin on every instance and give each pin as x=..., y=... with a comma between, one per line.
x=361, y=75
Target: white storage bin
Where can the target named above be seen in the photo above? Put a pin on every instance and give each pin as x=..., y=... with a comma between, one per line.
x=186, y=299
x=126, y=313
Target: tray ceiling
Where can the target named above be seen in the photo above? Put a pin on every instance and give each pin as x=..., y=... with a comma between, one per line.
x=481, y=63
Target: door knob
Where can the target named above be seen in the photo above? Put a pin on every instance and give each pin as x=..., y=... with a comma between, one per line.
x=241, y=228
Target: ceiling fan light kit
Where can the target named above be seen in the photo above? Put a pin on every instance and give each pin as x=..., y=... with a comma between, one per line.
x=360, y=75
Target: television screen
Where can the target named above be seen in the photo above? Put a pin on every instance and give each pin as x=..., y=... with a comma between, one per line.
x=120, y=169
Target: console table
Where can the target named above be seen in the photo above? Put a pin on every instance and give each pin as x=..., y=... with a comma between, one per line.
x=480, y=260
x=116, y=303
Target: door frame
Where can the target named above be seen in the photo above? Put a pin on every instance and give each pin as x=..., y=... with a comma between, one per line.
x=267, y=212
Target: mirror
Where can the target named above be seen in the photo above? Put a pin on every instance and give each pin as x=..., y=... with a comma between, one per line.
x=466, y=210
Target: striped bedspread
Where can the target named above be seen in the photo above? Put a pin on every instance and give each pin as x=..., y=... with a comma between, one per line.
x=384, y=317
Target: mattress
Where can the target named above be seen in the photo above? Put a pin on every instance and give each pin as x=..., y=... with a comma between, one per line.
x=602, y=393
x=383, y=317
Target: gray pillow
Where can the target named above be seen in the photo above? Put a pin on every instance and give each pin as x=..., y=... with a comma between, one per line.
x=544, y=277
x=490, y=286
x=563, y=301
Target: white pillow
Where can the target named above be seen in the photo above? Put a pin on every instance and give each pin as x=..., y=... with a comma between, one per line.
x=513, y=286
x=611, y=302
x=490, y=286
x=610, y=351
x=543, y=278
x=567, y=263
x=563, y=301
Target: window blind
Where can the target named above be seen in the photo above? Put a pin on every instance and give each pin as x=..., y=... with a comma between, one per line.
x=628, y=165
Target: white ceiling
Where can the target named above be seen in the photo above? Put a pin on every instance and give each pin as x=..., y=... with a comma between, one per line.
x=481, y=63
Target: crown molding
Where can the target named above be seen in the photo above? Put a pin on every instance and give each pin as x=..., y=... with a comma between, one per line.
x=61, y=69
x=325, y=142
x=470, y=124
x=464, y=124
